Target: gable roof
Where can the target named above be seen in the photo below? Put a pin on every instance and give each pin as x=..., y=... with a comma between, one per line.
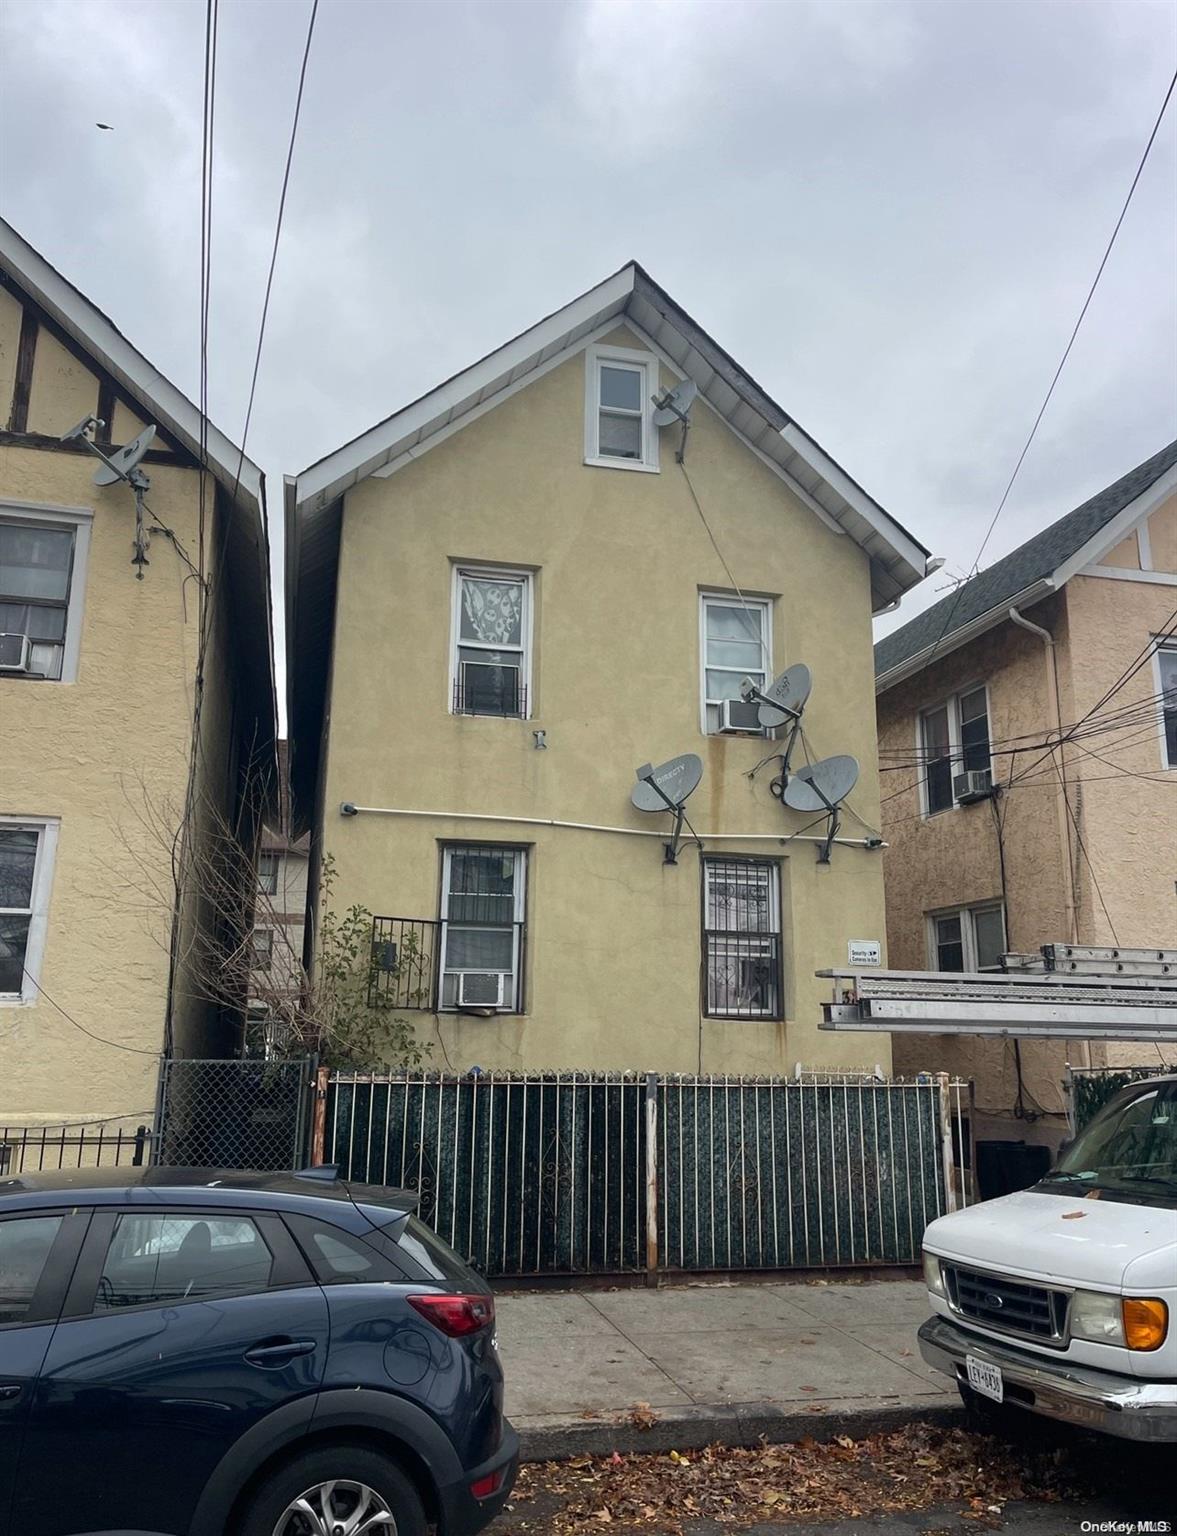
x=1039, y=566
x=898, y=560
x=247, y=550
x=314, y=498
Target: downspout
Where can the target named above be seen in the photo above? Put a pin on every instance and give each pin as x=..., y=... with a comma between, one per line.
x=1048, y=641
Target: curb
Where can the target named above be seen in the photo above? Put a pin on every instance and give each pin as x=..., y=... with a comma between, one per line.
x=735, y=1424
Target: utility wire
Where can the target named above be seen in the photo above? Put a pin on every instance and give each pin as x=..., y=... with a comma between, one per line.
x=134, y=1050
x=1057, y=372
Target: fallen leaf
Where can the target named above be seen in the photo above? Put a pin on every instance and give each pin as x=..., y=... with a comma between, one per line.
x=1072, y=1215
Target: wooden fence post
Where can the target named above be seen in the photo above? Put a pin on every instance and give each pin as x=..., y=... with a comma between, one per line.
x=950, y=1200
x=319, y=1118
x=651, y=1180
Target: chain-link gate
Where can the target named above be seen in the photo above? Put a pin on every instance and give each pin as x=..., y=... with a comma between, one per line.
x=234, y=1114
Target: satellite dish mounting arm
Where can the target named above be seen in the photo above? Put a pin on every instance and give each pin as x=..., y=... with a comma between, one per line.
x=130, y=472
x=832, y=826
x=646, y=776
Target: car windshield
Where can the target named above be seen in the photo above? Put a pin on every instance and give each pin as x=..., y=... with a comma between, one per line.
x=1129, y=1149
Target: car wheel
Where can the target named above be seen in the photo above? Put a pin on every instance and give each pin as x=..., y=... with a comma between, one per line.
x=337, y=1491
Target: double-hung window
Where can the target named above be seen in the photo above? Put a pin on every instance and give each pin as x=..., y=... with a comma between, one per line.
x=483, y=908
x=41, y=576
x=968, y=939
x=491, y=668
x=742, y=938
x=736, y=642
x=267, y=873
x=26, y=866
x=954, y=739
x=619, y=428
x=1167, y=678
x=261, y=949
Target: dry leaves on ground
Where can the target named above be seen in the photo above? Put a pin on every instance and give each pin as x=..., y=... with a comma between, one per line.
x=914, y=1468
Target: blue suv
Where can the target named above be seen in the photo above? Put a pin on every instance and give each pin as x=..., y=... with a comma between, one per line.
x=188, y=1352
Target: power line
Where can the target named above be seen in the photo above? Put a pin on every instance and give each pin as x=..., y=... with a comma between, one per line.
x=1057, y=372
x=134, y=1050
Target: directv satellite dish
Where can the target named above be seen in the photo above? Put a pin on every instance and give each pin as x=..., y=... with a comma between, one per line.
x=791, y=691
x=823, y=785
x=120, y=464
x=666, y=787
x=675, y=403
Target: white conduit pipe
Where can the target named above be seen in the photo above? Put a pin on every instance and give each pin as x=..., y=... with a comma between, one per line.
x=588, y=826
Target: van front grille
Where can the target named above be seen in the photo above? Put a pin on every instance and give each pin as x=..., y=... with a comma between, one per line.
x=1008, y=1305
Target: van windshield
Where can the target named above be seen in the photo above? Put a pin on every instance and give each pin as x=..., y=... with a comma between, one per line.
x=1129, y=1149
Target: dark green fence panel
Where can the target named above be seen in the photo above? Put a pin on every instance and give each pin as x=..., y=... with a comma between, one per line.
x=793, y=1174
x=527, y=1175
x=557, y=1174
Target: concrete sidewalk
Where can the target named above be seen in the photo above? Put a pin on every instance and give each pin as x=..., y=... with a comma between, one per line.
x=588, y=1370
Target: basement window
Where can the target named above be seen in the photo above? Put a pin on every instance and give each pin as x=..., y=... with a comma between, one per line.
x=619, y=430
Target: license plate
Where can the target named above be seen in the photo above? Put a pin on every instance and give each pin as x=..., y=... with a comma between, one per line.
x=984, y=1378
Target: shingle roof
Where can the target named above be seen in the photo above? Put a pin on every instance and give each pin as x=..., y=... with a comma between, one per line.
x=1037, y=558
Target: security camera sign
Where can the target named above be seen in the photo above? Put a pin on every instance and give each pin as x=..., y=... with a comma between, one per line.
x=865, y=952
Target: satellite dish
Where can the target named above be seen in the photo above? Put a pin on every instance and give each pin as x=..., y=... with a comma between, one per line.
x=675, y=780
x=118, y=465
x=820, y=786
x=791, y=690
x=675, y=403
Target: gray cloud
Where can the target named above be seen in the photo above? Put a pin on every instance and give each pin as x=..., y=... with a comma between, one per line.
x=888, y=211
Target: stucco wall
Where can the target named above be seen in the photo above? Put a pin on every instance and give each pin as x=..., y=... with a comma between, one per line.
x=613, y=943
x=107, y=754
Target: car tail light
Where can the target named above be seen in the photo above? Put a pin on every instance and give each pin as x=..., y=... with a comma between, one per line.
x=456, y=1315
x=485, y=1486
x=1146, y=1321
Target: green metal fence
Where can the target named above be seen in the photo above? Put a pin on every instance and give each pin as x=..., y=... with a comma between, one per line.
x=578, y=1173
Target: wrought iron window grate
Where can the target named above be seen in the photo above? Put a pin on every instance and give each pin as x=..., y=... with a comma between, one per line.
x=405, y=953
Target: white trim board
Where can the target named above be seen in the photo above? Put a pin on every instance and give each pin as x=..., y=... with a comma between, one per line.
x=1119, y=573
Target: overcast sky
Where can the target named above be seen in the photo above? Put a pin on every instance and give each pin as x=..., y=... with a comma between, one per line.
x=888, y=212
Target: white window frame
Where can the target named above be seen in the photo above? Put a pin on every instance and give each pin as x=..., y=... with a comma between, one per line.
x=79, y=521
x=48, y=828
x=490, y=573
x=732, y=600
x=1170, y=648
x=951, y=703
x=647, y=364
x=968, y=931
x=261, y=960
x=518, y=919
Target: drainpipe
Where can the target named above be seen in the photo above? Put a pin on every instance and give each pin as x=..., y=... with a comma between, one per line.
x=1048, y=641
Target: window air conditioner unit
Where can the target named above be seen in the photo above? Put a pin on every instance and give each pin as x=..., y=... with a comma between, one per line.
x=481, y=989
x=737, y=715
x=975, y=784
x=15, y=653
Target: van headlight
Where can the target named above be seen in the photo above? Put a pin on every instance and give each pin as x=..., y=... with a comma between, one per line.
x=1097, y=1316
x=933, y=1276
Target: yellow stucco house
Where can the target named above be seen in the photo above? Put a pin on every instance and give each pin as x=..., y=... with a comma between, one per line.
x=131, y=649
x=1028, y=740
x=521, y=588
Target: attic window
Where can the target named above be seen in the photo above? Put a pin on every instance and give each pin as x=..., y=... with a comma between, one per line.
x=619, y=427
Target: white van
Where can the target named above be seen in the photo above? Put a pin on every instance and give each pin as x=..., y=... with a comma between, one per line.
x=1062, y=1299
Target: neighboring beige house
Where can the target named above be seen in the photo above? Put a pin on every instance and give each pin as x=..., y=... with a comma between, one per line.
x=1001, y=839
x=101, y=667
x=276, y=982
x=509, y=596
